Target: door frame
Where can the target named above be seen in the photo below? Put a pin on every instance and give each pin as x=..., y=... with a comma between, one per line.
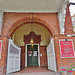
x=26, y=54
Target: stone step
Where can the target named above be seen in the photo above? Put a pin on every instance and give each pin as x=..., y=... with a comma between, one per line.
x=42, y=73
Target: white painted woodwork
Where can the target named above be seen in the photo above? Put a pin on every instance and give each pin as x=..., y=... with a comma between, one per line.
x=51, y=56
x=1, y=17
x=30, y=5
x=61, y=15
x=73, y=23
x=13, y=58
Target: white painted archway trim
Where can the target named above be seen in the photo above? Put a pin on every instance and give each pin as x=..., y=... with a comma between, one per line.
x=26, y=54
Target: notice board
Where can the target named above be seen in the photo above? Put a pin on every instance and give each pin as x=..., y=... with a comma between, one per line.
x=66, y=49
x=0, y=48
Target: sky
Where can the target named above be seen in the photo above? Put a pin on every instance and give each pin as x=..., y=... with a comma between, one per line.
x=72, y=8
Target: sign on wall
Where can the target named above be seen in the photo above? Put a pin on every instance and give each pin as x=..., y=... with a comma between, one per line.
x=0, y=48
x=66, y=49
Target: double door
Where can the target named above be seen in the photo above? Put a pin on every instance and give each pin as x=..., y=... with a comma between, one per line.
x=32, y=55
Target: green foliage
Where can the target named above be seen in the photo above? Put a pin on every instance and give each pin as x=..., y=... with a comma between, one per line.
x=74, y=65
x=70, y=69
x=67, y=69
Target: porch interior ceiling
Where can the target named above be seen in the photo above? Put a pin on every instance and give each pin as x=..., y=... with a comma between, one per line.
x=30, y=5
x=18, y=35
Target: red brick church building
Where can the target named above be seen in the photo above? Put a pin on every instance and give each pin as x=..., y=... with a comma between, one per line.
x=41, y=36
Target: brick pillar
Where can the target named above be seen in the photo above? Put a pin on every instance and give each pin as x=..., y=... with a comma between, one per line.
x=68, y=22
x=57, y=52
x=3, y=60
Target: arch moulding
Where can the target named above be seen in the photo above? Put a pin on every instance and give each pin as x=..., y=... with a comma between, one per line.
x=28, y=19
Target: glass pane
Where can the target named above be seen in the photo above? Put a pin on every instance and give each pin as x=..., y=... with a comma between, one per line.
x=34, y=53
x=29, y=53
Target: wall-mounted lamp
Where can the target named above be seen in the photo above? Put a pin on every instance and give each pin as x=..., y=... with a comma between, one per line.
x=31, y=40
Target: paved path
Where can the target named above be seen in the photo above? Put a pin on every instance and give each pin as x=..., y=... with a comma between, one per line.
x=42, y=73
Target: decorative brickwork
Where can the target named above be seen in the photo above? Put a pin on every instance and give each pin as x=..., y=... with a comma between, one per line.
x=48, y=20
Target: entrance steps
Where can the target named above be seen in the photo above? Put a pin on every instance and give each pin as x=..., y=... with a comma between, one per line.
x=41, y=73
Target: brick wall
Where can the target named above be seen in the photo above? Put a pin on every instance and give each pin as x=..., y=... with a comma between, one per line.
x=48, y=20
x=22, y=56
x=43, y=58
x=68, y=22
x=63, y=62
x=3, y=60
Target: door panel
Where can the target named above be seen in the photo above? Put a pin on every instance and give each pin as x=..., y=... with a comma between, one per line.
x=34, y=61
x=32, y=55
x=51, y=56
x=13, y=58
